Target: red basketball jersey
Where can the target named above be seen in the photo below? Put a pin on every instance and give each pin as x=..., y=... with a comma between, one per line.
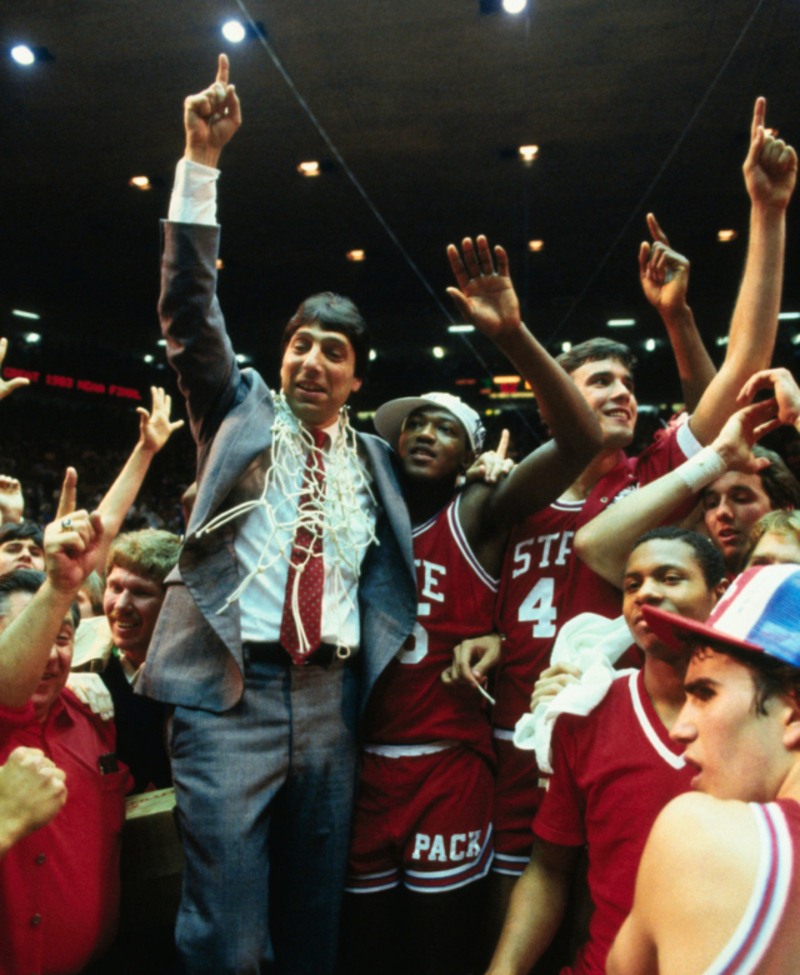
x=767, y=939
x=544, y=584
x=613, y=772
x=455, y=602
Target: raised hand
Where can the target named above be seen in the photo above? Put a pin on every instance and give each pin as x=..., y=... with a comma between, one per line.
x=492, y=464
x=211, y=117
x=6, y=388
x=663, y=272
x=785, y=388
x=770, y=170
x=743, y=429
x=485, y=297
x=71, y=541
x=155, y=428
x=11, y=503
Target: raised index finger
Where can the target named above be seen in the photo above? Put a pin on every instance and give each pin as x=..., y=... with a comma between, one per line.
x=223, y=70
x=66, y=503
x=759, y=111
x=502, y=447
x=655, y=229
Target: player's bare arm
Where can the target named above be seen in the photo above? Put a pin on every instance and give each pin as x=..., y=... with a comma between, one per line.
x=664, y=275
x=486, y=298
x=770, y=172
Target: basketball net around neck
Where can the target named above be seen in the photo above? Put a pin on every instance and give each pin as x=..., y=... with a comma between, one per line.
x=347, y=530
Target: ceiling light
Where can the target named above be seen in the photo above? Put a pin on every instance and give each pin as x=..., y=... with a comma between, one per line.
x=528, y=153
x=620, y=322
x=535, y=245
x=310, y=168
x=355, y=255
x=796, y=339
x=460, y=328
x=438, y=352
x=514, y=6
x=162, y=342
x=32, y=338
x=650, y=345
x=241, y=358
x=566, y=346
x=22, y=54
x=373, y=355
x=148, y=358
x=234, y=31
x=24, y=314
x=725, y=235
x=788, y=316
x=140, y=182
x=220, y=264
x=722, y=340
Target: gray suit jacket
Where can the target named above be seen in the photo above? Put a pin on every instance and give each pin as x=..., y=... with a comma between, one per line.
x=195, y=657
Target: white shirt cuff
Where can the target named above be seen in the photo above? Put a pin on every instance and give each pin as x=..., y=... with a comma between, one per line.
x=194, y=195
x=686, y=440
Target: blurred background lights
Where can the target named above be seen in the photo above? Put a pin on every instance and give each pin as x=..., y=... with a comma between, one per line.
x=725, y=235
x=620, y=322
x=650, y=345
x=514, y=6
x=32, y=338
x=22, y=54
x=460, y=328
x=140, y=182
x=310, y=168
x=356, y=255
x=24, y=314
x=528, y=153
x=566, y=346
x=373, y=355
x=233, y=31
x=438, y=352
x=535, y=245
x=148, y=358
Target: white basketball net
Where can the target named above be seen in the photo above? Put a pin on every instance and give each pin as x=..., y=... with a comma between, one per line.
x=335, y=514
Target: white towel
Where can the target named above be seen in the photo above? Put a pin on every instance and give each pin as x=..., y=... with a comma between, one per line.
x=593, y=644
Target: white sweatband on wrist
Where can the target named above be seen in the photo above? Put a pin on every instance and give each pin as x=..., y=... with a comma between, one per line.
x=702, y=469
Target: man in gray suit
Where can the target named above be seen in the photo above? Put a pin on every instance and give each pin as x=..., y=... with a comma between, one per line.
x=268, y=656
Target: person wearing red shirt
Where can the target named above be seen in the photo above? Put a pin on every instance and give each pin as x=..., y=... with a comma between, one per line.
x=614, y=769
x=718, y=888
x=59, y=886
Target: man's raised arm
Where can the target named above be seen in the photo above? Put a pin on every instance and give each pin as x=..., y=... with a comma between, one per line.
x=486, y=298
x=664, y=275
x=770, y=172
x=198, y=347
x=71, y=544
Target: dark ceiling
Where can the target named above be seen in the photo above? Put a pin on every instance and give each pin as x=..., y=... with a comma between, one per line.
x=635, y=105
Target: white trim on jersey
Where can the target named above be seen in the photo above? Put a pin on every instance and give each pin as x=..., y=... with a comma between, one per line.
x=461, y=540
x=411, y=751
x=504, y=734
x=420, y=529
x=775, y=864
x=509, y=866
x=676, y=761
x=389, y=884
x=568, y=505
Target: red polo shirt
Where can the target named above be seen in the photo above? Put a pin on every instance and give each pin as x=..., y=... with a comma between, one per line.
x=59, y=887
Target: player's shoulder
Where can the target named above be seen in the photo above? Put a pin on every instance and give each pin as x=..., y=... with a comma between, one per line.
x=697, y=825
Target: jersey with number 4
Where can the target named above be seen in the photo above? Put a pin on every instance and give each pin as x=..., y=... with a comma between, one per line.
x=411, y=704
x=544, y=584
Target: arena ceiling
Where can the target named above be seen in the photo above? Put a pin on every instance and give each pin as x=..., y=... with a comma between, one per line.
x=634, y=105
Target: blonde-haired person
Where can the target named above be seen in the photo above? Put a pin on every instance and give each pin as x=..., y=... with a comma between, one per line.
x=774, y=540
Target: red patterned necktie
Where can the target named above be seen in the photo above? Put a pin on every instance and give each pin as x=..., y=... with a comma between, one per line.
x=306, y=569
